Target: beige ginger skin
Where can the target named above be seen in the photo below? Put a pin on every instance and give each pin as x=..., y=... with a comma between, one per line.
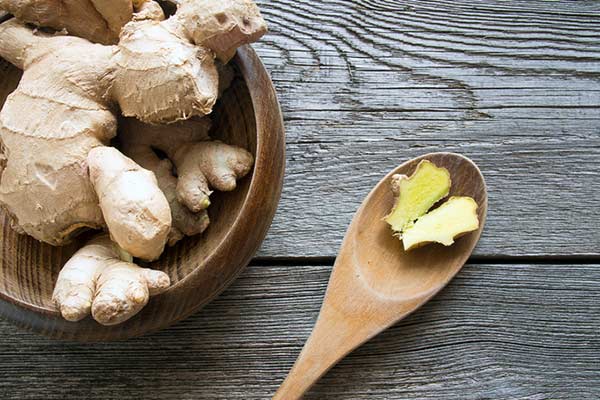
x=201, y=164
x=45, y=184
x=132, y=133
x=58, y=174
x=97, y=281
x=178, y=141
x=221, y=26
x=99, y=21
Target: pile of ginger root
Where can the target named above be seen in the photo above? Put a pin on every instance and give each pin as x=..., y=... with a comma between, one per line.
x=95, y=67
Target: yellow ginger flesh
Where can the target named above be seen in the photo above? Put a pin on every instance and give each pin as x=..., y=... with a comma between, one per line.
x=417, y=194
x=456, y=216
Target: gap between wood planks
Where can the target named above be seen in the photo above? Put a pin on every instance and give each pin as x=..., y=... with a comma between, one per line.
x=499, y=259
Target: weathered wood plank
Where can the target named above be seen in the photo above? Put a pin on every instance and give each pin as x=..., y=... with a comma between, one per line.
x=497, y=332
x=366, y=85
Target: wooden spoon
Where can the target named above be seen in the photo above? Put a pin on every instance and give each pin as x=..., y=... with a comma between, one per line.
x=374, y=282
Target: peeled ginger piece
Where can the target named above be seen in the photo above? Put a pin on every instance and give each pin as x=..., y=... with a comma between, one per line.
x=417, y=194
x=456, y=216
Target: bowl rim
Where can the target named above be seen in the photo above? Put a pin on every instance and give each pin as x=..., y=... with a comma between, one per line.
x=182, y=300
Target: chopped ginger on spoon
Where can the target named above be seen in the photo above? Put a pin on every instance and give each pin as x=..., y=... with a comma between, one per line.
x=425, y=187
x=409, y=218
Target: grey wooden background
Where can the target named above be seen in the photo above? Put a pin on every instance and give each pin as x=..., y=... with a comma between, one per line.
x=365, y=85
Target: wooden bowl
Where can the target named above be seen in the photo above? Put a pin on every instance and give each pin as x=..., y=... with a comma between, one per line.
x=200, y=267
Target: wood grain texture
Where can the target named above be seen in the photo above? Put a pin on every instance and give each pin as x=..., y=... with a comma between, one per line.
x=364, y=86
x=496, y=332
x=199, y=267
x=367, y=85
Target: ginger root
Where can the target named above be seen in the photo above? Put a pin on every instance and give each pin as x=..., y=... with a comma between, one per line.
x=156, y=74
x=97, y=281
x=409, y=218
x=58, y=174
x=455, y=217
x=200, y=164
x=171, y=61
x=188, y=207
x=99, y=21
x=417, y=194
x=221, y=26
x=129, y=196
x=45, y=184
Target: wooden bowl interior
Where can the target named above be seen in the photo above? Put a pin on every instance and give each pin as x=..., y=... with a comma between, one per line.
x=28, y=268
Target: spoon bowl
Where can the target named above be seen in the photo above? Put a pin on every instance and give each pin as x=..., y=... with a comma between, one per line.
x=375, y=283
x=384, y=266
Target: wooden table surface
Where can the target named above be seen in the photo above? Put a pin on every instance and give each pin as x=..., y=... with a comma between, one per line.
x=364, y=86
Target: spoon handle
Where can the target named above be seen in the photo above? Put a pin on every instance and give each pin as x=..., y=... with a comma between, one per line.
x=329, y=342
x=350, y=316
